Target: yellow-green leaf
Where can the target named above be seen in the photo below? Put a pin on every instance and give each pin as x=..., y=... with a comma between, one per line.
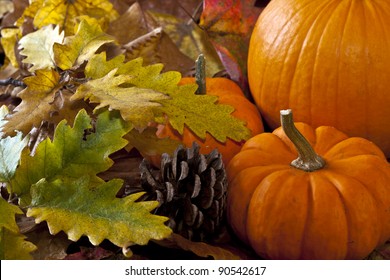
x=81, y=46
x=203, y=116
x=119, y=92
x=38, y=47
x=36, y=102
x=69, y=155
x=7, y=217
x=13, y=246
x=200, y=113
x=77, y=208
x=12, y=243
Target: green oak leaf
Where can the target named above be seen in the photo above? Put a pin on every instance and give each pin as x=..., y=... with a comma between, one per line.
x=69, y=154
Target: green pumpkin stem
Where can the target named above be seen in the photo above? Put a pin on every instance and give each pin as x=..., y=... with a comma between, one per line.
x=308, y=160
x=200, y=74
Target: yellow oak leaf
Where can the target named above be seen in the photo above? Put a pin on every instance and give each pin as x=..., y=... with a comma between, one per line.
x=13, y=246
x=12, y=243
x=38, y=47
x=36, y=102
x=30, y=11
x=9, y=37
x=64, y=13
x=122, y=93
x=80, y=47
x=7, y=217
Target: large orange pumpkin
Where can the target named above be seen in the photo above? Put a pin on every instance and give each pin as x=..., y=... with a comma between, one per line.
x=229, y=93
x=329, y=61
x=333, y=202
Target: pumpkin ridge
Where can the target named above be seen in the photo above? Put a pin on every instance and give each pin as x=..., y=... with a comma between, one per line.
x=309, y=214
x=330, y=178
x=380, y=203
x=314, y=24
x=339, y=81
x=337, y=183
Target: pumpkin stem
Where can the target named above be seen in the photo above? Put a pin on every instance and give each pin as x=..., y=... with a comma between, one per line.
x=200, y=74
x=308, y=160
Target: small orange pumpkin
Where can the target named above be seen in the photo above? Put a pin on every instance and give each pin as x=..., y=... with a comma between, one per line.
x=333, y=206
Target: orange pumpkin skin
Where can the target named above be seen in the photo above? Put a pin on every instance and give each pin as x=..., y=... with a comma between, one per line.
x=228, y=93
x=339, y=212
x=326, y=60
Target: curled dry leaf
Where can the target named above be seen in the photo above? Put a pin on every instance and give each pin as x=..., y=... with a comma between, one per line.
x=144, y=38
x=201, y=249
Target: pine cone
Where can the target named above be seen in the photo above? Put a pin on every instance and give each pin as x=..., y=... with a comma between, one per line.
x=191, y=189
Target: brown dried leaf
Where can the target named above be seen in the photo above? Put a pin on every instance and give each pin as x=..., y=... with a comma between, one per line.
x=144, y=38
x=145, y=46
x=50, y=247
x=137, y=24
x=191, y=40
x=201, y=249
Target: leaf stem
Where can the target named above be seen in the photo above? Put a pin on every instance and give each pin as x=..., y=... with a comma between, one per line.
x=200, y=74
x=308, y=160
x=11, y=81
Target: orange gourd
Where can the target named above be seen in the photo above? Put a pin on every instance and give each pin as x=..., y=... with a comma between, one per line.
x=327, y=60
x=228, y=93
x=332, y=202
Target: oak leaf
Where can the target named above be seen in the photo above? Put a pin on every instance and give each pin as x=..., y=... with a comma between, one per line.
x=38, y=47
x=7, y=218
x=69, y=155
x=206, y=115
x=13, y=246
x=9, y=37
x=134, y=102
x=200, y=113
x=12, y=243
x=77, y=208
x=36, y=102
x=64, y=13
x=80, y=47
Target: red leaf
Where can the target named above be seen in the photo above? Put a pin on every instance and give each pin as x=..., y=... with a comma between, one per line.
x=229, y=24
x=229, y=16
